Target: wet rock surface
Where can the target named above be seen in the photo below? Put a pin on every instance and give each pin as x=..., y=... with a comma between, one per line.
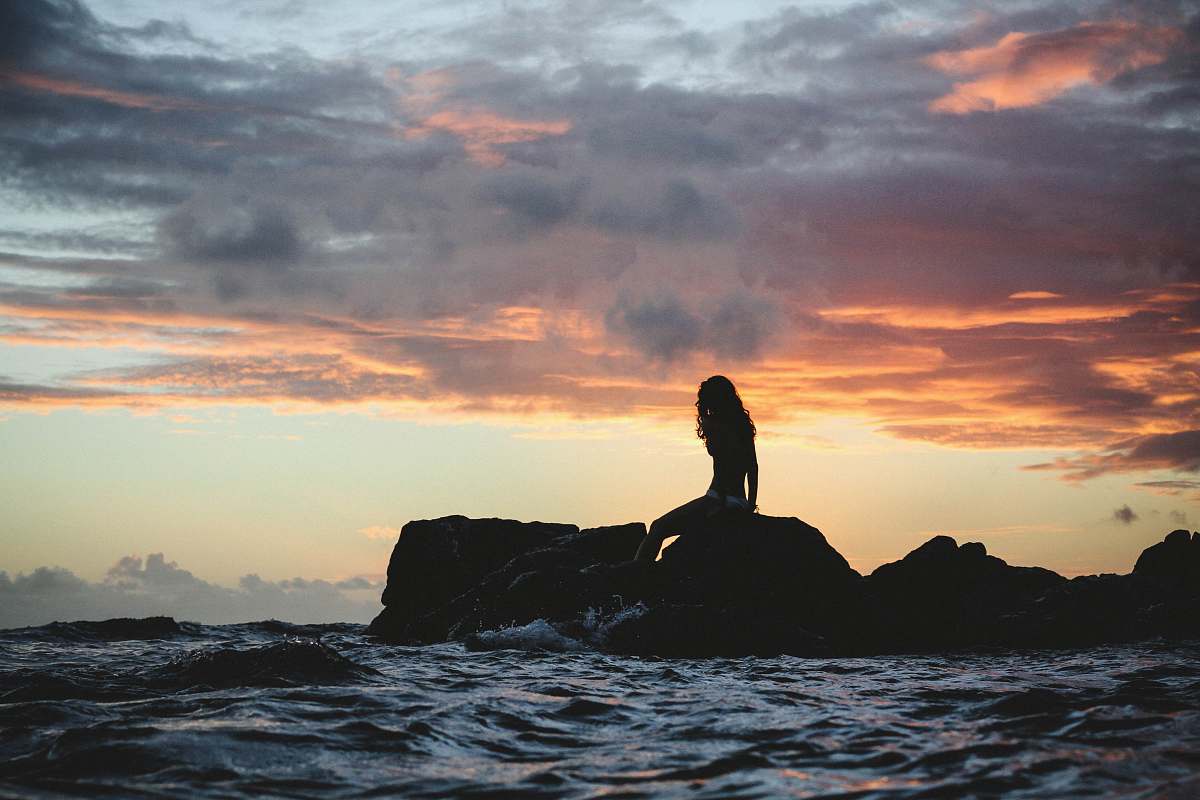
x=747, y=584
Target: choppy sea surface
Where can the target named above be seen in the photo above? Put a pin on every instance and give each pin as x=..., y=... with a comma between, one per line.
x=149, y=709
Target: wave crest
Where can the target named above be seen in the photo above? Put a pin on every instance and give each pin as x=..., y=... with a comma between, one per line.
x=290, y=662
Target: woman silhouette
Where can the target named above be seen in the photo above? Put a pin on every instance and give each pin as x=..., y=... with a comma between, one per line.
x=728, y=433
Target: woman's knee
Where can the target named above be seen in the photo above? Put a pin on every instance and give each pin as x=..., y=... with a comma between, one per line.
x=650, y=545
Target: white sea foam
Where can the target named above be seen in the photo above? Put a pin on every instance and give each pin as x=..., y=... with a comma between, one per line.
x=598, y=624
x=541, y=635
x=537, y=635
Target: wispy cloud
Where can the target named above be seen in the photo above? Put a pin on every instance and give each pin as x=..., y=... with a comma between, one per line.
x=71, y=88
x=1169, y=487
x=1162, y=451
x=380, y=532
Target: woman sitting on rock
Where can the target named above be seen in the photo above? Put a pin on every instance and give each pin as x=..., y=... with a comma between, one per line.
x=728, y=433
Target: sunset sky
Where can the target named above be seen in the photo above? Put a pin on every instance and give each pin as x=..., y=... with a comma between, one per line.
x=278, y=277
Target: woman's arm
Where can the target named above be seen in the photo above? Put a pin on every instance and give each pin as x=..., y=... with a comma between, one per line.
x=752, y=478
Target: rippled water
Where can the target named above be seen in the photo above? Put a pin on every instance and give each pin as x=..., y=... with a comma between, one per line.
x=320, y=711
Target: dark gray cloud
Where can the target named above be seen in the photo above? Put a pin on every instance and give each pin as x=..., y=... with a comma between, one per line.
x=249, y=244
x=262, y=236
x=1166, y=451
x=796, y=38
x=680, y=211
x=1179, y=517
x=1180, y=451
x=137, y=587
x=534, y=201
x=740, y=324
x=88, y=120
x=620, y=117
x=676, y=142
x=39, y=28
x=328, y=129
x=661, y=327
x=1125, y=515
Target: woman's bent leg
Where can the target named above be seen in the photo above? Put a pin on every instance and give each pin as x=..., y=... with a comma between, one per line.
x=651, y=544
x=673, y=523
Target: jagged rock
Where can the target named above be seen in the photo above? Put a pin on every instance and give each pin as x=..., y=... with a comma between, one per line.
x=769, y=585
x=758, y=560
x=679, y=630
x=1176, y=559
x=1090, y=610
x=743, y=584
x=456, y=572
x=438, y=559
x=944, y=595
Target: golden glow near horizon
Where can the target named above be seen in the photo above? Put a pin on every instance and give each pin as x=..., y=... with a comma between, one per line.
x=259, y=313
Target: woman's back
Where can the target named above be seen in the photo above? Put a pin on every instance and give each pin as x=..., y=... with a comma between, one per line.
x=732, y=452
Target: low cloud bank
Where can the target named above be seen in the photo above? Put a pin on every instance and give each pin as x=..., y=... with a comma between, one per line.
x=135, y=587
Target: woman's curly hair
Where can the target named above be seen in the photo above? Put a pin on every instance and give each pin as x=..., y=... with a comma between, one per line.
x=718, y=400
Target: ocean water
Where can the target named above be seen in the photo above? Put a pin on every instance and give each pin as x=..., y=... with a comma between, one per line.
x=150, y=709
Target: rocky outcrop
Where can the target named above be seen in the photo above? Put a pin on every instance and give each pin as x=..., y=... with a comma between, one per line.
x=750, y=584
x=1175, y=560
x=742, y=584
x=453, y=576
x=944, y=595
x=1161, y=597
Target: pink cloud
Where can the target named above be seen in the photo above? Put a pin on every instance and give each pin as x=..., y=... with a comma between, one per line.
x=1027, y=69
x=72, y=88
x=480, y=129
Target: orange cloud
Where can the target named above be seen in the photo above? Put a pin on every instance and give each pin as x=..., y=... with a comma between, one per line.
x=69, y=88
x=1036, y=295
x=1051, y=374
x=1028, y=69
x=480, y=129
x=953, y=318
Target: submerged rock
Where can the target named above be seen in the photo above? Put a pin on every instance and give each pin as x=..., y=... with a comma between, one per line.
x=742, y=584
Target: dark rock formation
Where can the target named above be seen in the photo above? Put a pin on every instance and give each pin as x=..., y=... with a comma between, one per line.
x=1175, y=560
x=750, y=584
x=452, y=576
x=742, y=584
x=943, y=595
